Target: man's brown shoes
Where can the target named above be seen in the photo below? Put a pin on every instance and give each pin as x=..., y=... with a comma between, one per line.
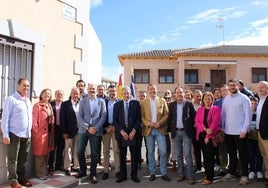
x=25, y=183
x=15, y=185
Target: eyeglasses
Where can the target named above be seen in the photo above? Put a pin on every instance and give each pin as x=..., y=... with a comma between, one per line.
x=232, y=85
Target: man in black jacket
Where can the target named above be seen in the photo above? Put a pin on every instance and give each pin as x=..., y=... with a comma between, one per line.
x=59, y=142
x=68, y=119
x=127, y=122
x=262, y=119
x=181, y=119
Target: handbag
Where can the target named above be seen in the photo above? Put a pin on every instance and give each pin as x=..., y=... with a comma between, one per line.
x=218, y=139
x=253, y=133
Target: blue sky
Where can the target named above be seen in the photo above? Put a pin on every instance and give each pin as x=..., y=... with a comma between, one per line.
x=125, y=26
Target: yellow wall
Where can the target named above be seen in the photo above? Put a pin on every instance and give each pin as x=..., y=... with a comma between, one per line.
x=61, y=61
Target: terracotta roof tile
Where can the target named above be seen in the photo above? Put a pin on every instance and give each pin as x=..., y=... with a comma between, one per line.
x=227, y=49
x=153, y=53
x=242, y=50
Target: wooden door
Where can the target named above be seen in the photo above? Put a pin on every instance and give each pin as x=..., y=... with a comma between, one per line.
x=217, y=78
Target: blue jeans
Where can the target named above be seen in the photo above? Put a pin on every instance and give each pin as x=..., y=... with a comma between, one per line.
x=155, y=135
x=95, y=145
x=184, y=146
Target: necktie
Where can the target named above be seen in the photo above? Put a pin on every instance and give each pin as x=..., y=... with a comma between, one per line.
x=126, y=113
x=254, y=116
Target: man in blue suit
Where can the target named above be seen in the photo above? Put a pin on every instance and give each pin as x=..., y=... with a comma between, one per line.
x=91, y=117
x=127, y=121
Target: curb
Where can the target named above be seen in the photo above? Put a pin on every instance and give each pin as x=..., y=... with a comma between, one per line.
x=75, y=182
x=70, y=184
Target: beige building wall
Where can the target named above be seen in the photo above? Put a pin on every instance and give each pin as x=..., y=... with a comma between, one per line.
x=245, y=66
x=204, y=69
x=235, y=66
x=66, y=47
x=153, y=65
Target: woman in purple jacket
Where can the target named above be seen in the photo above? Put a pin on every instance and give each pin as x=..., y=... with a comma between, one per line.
x=207, y=121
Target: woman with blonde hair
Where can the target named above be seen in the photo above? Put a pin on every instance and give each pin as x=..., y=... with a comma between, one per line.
x=42, y=133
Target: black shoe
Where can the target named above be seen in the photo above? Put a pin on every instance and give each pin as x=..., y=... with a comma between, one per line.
x=264, y=179
x=135, y=179
x=169, y=164
x=105, y=176
x=117, y=175
x=80, y=175
x=51, y=170
x=74, y=170
x=121, y=180
x=67, y=172
x=152, y=177
x=197, y=169
x=166, y=178
x=60, y=168
x=93, y=179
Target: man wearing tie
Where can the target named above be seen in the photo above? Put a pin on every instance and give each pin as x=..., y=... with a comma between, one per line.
x=127, y=128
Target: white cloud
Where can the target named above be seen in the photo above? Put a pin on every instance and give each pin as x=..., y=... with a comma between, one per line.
x=204, y=16
x=95, y=3
x=256, y=37
x=258, y=23
x=140, y=42
x=260, y=3
x=170, y=18
x=170, y=36
x=213, y=15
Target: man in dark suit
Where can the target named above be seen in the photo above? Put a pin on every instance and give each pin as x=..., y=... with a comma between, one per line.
x=69, y=128
x=262, y=119
x=181, y=121
x=127, y=121
x=59, y=142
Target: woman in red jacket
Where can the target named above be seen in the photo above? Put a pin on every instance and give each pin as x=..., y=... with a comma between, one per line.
x=207, y=121
x=42, y=133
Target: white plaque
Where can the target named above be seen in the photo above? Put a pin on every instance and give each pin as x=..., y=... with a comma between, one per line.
x=68, y=12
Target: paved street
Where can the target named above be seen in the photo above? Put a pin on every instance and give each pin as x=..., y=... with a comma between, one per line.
x=143, y=174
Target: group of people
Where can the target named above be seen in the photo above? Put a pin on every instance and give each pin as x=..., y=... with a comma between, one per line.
x=61, y=130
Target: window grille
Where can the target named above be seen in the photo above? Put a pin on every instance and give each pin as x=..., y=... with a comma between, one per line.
x=16, y=61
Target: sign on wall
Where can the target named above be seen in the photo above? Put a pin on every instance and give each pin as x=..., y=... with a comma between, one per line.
x=69, y=12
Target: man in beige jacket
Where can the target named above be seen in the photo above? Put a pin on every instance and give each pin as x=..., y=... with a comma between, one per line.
x=154, y=114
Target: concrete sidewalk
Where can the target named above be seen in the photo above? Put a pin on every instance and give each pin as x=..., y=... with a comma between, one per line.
x=58, y=179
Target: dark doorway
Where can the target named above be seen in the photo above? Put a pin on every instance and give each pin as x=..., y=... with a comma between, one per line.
x=218, y=77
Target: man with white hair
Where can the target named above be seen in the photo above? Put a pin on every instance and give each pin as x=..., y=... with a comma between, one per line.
x=261, y=123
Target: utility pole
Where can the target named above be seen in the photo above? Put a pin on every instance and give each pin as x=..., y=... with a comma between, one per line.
x=221, y=26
